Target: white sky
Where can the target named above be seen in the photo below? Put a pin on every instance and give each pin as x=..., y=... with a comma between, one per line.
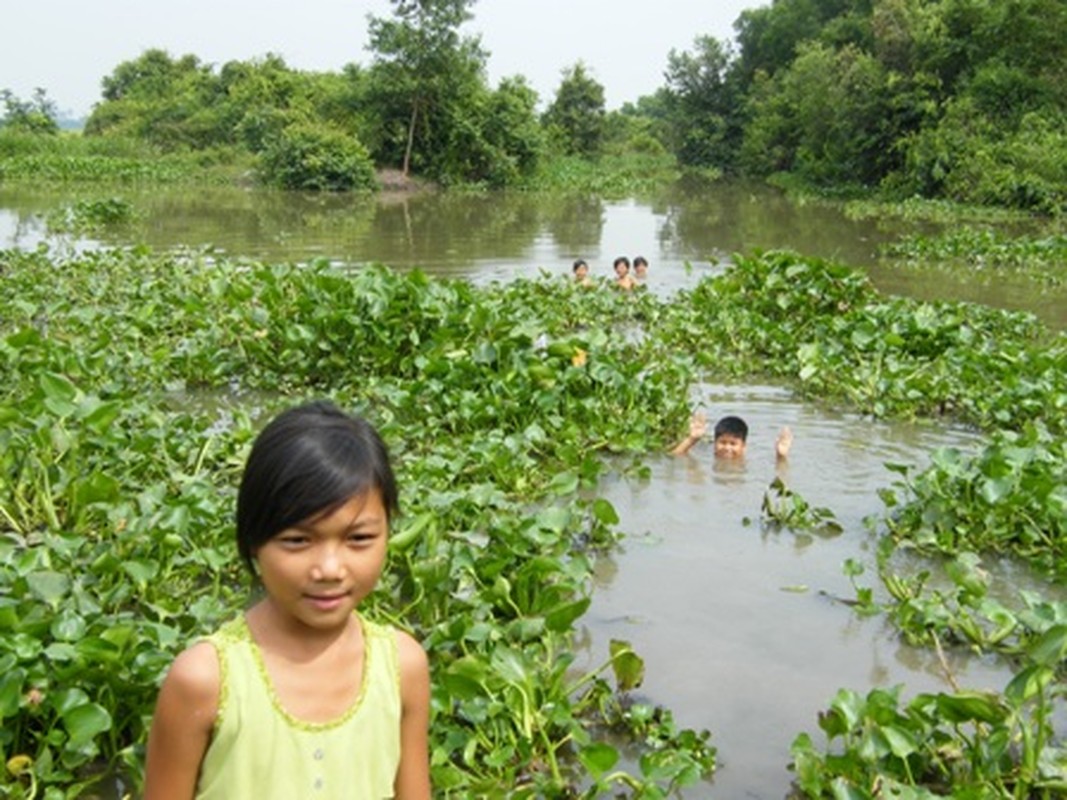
x=67, y=46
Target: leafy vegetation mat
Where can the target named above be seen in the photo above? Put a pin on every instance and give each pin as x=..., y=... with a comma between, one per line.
x=133, y=383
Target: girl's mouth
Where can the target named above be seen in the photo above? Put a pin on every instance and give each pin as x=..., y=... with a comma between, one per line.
x=327, y=602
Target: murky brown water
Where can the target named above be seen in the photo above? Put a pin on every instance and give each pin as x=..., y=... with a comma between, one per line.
x=684, y=234
x=736, y=623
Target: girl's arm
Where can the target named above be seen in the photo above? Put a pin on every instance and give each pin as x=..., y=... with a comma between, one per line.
x=413, y=776
x=181, y=727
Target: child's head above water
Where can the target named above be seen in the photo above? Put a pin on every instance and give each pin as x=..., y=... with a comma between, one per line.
x=731, y=434
x=308, y=461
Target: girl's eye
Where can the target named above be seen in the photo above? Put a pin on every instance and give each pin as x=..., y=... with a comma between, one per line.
x=292, y=541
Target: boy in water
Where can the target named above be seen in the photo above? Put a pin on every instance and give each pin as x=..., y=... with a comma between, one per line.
x=640, y=269
x=581, y=273
x=622, y=273
x=730, y=438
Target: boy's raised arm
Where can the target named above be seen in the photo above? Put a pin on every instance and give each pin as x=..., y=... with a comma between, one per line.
x=783, y=443
x=698, y=428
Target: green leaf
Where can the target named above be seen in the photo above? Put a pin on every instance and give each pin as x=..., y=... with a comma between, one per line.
x=564, y=483
x=605, y=512
x=629, y=667
x=141, y=571
x=968, y=706
x=1028, y=683
x=1051, y=648
x=11, y=692
x=561, y=617
x=465, y=678
x=994, y=490
x=58, y=389
x=95, y=650
x=51, y=587
x=901, y=742
x=509, y=664
x=598, y=758
x=85, y=722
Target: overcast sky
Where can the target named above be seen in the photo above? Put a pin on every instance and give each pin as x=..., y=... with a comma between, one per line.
x=67, y=46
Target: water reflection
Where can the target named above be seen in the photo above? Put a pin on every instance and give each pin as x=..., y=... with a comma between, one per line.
x=685, y=231
x=742, y=628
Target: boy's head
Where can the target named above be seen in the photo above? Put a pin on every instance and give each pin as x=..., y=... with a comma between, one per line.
x=580, y=268
x=640, y=266
x=731, y=433
x=622, y=266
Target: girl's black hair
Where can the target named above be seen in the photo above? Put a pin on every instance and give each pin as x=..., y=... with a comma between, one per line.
x=308, y=460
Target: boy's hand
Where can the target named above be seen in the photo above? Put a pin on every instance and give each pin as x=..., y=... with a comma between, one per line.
x=784, y=442
x=698, y=425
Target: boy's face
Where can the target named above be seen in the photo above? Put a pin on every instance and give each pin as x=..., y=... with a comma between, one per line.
x=729, y=445
x=621, y=269
x=581, y=271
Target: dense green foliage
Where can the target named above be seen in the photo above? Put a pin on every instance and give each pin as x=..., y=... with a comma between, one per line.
x=423, y=106
x=491, y=565
x=575, y=118
x=132, y=388
x=35, y=116
x=71, y=158
x=308, y=156
x=955, y=99
x=962, y=99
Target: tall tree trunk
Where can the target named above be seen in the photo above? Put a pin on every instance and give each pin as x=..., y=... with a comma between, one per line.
x=411, y=137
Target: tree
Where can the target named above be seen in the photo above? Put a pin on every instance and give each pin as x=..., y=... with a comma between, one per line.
x=29, y=116
x=316, y=157
x=421, y=59
x=577, y=112
x=702, y=105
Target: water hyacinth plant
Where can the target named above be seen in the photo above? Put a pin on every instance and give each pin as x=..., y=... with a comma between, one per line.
x=133, y=382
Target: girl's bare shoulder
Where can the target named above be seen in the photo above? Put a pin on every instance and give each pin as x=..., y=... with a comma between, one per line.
x=195, y=675
x=412, y=656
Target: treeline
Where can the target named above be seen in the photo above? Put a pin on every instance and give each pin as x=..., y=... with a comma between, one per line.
x=961, y=99
x=957, y=99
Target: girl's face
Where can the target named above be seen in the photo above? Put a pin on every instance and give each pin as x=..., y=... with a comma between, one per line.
x=317, y=572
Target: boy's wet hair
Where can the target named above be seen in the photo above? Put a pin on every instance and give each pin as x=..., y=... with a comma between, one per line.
x=309, y=460
x=640, y=260
x=621, y=260
x=733, y=426
x=580, y=262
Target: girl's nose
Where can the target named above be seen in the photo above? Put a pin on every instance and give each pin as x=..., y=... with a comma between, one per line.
x=328, y=565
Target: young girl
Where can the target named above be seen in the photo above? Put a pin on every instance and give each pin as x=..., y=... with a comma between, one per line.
x=300, y=697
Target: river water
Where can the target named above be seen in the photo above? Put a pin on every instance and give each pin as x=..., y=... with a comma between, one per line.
x=684, y=233
x=741, y=626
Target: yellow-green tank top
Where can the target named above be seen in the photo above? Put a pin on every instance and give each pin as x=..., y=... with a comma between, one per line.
x=260, y=752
